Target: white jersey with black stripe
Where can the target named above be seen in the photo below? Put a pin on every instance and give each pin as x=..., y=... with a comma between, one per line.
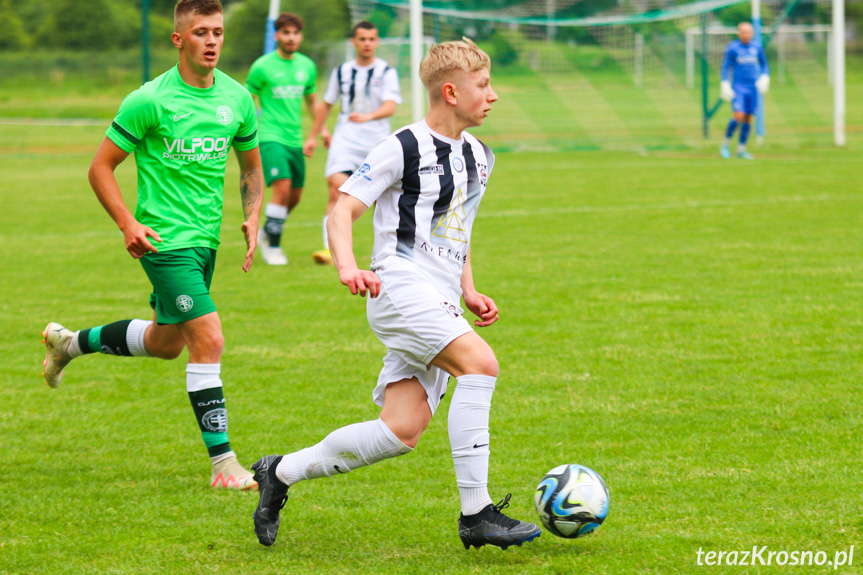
x=428, y=188
x=362, y=89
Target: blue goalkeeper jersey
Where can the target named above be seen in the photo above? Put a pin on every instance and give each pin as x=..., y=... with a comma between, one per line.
x=747, y=60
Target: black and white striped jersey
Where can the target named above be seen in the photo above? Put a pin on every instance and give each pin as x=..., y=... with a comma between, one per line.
x=362, y=89
x=428, y=188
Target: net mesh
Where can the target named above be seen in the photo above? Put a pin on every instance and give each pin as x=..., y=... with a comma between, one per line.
x=573, y=74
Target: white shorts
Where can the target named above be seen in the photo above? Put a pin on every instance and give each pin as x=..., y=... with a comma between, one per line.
x=415, y=322
x=342, y=158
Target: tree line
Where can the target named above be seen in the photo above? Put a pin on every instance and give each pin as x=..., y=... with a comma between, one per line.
x=106, y=25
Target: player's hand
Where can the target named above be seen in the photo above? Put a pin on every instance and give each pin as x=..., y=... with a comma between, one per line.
x=763, y=83
x=309, y=147
x=726, y=92
x=137, y=243
x=358, y=118
x=483, y=307
x=250, y=233
x=361, y=281
x=327, y=138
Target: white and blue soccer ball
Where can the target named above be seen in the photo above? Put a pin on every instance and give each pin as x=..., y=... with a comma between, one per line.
x=572, y=500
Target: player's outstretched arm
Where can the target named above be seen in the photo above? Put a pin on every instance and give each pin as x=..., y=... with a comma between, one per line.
x=322, y=112
x=104, y=184
x=387, y=109
x=726, y=92
x=479, y=304
x=340, y=230
x=252, y=196
x=312, y=140
x=763, y=81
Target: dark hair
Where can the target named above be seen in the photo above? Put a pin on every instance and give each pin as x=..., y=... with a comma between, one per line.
x=364, y=25
x=288, y=19
x=202, y=7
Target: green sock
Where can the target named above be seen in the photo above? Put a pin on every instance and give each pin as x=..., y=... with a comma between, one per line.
x=208, y=402
x=124, y=338
x=108, y=339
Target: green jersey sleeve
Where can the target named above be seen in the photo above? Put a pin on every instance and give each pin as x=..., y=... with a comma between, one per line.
x=312, y=82
x=247, y=136
x=255, y=80
x=137, y=114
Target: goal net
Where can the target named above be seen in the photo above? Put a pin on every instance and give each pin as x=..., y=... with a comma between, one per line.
x=626, y=74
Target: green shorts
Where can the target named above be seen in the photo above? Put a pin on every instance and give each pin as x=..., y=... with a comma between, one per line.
x=282, y=162
x=181, y=283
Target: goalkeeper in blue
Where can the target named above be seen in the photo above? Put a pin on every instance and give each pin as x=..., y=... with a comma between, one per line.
x=746, y=63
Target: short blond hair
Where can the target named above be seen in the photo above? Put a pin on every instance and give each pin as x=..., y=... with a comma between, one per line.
x=443, y=59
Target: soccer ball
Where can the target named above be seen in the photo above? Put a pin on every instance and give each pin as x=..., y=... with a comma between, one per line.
x=572, y=500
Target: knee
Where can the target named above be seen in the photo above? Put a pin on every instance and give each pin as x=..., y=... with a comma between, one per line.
x=408, y=430
x=208, y=347
x=408, y=434
x=485, y=364
x=215, y=343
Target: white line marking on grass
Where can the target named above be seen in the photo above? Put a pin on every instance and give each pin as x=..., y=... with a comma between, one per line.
x=517, y=214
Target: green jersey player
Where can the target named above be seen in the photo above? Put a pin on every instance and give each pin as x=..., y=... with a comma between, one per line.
x=280, y=81
x=181, y=127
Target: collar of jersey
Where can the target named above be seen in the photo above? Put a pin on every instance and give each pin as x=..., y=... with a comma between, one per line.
x=446, y=139
x=192, y=89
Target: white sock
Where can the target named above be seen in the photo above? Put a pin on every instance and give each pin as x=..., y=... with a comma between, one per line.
x=74, y=349
x=276, y=211
x=217, y=458
x=343, y=450
x=741, y=148
x=200, y=376
x=135, y=337
x=467, y=424
x=326, y=236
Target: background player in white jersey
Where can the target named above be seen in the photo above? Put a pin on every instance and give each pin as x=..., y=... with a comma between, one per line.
x=427, y=179
x=181, y=127
x=368, y=91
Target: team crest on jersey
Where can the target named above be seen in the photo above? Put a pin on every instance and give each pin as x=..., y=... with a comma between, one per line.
x=225, y=115
x=436, y=170
x=458, y=165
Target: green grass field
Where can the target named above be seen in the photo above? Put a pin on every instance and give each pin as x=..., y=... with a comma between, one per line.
x=688, y=327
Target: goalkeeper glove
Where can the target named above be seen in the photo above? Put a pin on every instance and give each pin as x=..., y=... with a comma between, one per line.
x=725, y=91
x=763, y=83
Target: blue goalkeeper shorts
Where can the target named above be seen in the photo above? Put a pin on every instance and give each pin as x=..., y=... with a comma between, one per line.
x=745, y=98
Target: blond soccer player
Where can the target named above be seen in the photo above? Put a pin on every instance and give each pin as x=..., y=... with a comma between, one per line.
x=427, y=180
